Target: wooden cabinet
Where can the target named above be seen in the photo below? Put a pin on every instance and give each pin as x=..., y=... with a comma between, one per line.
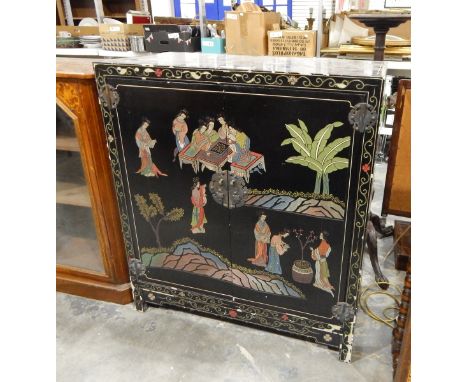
x=243, y=185
x=90, y=253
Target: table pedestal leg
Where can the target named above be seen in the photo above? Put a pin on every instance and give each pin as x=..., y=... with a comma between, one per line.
x=379, y=50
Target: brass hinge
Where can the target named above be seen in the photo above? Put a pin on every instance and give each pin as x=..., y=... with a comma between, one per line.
x=362, y=117
x=109, y=96
x=343, y=312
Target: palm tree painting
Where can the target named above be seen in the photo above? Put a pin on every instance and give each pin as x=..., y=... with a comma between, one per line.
x=317, y=154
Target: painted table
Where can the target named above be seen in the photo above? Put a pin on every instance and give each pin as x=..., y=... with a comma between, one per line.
x=278, y=249
x=216, y=157
x=189, y=156
x=248, y=164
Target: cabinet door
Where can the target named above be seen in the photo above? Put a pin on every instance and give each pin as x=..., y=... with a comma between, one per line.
x=174, y=228
x=299, y=158
x=77, y=242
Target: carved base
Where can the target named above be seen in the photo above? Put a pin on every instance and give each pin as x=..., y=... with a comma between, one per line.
x=98, y=290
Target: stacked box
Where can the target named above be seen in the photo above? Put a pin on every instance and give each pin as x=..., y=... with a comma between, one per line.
x=172, y=38
x=292, y=43
x=246, y=32
x=115, y=36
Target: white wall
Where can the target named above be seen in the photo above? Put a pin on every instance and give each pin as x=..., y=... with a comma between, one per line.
x=162, y=8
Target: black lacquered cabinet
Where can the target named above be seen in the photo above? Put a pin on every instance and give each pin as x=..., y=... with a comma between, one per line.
x=243, y=185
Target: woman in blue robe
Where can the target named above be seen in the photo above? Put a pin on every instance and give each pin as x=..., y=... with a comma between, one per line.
x=277, y=248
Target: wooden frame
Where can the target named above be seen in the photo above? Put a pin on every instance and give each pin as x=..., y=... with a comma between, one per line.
x=77, y=96
x=61, y=13
x=397, y=147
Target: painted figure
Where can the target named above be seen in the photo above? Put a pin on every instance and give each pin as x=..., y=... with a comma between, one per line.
x=210, y=133
x=223, y=130
x=262, y=238
x=277, y=248
x=199, y=139
x=320, y=255
x=180, y=130
x=145, y=144
x=199, y=202
x=239, y=143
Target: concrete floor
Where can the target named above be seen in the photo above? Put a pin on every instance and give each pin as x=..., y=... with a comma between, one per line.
x=98, y=341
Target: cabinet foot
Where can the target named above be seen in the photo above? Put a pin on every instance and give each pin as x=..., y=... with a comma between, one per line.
x=140, y=305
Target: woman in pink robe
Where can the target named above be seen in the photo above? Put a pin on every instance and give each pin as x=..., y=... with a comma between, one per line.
x=180, y=130
x=262, y=238
x=198, y=200
x=145, y=143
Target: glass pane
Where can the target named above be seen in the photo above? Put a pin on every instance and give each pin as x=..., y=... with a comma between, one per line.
x=76, y=242
x=188, y=9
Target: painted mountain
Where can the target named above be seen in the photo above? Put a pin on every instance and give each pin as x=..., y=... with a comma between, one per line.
x=297, y=202
x=187, y=255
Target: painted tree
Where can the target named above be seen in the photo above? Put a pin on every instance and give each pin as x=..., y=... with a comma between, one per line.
x=154, y=213
x=316, y=154
x=303, y=240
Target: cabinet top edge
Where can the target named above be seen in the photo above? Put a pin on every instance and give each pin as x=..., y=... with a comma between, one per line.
x=300, y=65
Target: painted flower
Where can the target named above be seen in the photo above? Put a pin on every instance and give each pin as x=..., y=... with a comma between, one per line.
x=158, y=72
x=110, y=138
x=151, y=296
x=233, y=313
x=327, y=337
x=292, y=80
x=285, y=317
x=366, y=167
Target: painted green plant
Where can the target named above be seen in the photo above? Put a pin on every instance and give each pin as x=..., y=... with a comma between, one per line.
x=317, y=154
x=154, y=213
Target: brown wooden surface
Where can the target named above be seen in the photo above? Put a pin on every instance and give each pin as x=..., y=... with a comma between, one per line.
x=82, y=286
x=60, y=13
x=403, y=370
x=78, y=97
x=397, y=193
x=401, y=344
x=402, y=251
x=74, y=67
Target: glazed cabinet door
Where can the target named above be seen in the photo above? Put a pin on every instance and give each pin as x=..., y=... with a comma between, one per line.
x=77, y=240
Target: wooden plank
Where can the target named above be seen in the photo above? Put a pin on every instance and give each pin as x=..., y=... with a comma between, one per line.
x=73, y=194
x=68, y=144
x=61, y=12
x=397, y=193
x=83, y=286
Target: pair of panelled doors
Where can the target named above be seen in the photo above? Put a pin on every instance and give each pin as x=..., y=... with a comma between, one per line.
x=244, y=195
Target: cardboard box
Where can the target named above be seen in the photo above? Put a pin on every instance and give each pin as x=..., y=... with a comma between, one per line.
x=246, y=32
x=172, y=38
x=121, y=29
x=114, y=37
x=213, y=45
x=292, y=43
x=77, y=30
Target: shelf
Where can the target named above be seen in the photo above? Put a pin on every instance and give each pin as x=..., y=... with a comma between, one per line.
x=97, y=52
x=116, y=15
x=73, y=194
x=68, y=144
